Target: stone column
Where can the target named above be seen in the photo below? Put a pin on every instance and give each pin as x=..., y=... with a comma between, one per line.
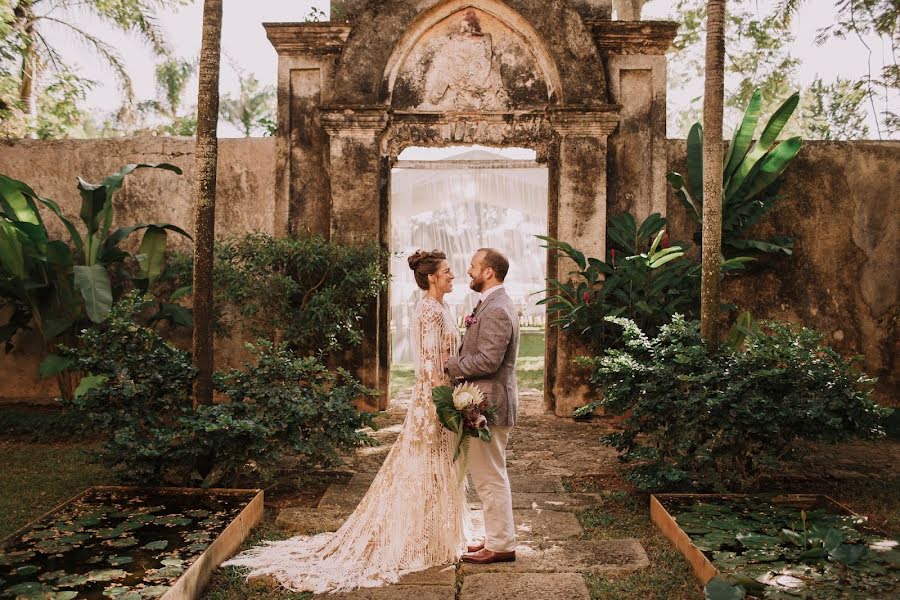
x=580, y=221
x=634, y=53
x=358, y=195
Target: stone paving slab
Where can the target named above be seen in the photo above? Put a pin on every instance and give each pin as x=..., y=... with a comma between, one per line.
x=549, y=501
x=397, y=592
x=309, y=521
x=445, y=575
x=534, y=484
x=604, y=557
x=343, y=496
x=519, y=586
x=542, y=525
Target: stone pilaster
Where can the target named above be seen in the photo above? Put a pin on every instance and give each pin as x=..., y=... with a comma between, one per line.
x=307, y=53
x=634, y=53
x=580, y=220
x=359, y=213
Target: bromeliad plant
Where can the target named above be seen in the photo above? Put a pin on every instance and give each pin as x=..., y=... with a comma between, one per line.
x=56, y=286
x=749, y=177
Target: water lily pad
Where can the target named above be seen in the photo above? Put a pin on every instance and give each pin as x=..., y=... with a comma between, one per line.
x=89, y=521
x=52, y=546
x=154, y=591
x=165, y=573
x=110, y=532
x=12, y=558
x=173, y=521
x=157, y=545
x=198, y=513
x=172, y=562
x=197, y=547
x=97, y=558
x=71, y=580
x=51, y=575
x=39, y=534
x=197, y=536
x=26, y=570
x=106, y=575
x=123, y=542
x=119, y=560
x=29, y=589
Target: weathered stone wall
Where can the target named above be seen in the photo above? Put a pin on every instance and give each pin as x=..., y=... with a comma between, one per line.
x=245, y=202
x=841, y=207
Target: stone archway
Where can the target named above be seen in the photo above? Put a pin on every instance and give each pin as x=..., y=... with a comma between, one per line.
x=405, y=73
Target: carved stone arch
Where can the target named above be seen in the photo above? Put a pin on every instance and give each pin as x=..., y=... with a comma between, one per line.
x=514, y=45
x=554, y=30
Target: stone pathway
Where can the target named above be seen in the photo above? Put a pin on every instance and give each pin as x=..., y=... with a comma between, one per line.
x=552, y=553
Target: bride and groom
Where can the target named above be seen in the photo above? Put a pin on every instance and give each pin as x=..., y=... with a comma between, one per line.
x=415, y=514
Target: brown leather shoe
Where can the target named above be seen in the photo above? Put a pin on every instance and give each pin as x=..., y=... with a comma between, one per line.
x=486, y=557
x=474, y=548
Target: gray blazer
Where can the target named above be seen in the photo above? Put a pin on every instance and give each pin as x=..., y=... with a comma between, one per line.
x=488, y=354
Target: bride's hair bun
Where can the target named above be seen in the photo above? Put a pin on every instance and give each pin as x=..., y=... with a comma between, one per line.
x=424, y=263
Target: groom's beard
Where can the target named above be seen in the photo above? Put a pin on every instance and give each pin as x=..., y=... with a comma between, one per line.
x=477, y=285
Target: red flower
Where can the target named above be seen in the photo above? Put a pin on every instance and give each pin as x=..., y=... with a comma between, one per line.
x=612, y=256
x=665, y=240
x=586, y=297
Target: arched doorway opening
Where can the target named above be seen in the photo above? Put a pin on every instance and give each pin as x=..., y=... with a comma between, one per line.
x=459, y=199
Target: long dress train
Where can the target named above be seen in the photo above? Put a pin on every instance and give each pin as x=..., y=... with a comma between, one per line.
x=414, y=515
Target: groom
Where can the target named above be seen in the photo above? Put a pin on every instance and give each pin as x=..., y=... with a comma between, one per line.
x=488, y=359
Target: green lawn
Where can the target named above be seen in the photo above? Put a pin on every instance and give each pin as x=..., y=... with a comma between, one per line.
x=529, y=371
x=39, y=476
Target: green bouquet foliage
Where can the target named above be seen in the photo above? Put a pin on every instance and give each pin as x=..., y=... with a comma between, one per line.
x=136, y=395
x=720, y=421
x=462, y=422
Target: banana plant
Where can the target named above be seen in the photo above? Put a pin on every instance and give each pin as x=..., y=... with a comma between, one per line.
x=53, y=285
x=749, y=176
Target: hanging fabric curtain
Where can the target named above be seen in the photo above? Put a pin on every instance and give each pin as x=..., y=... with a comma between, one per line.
x=472, y=200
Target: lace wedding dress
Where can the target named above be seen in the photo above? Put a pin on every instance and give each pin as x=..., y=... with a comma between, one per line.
x=414, y=515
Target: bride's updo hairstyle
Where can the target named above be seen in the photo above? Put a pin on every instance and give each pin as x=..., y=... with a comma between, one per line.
x=424, y=263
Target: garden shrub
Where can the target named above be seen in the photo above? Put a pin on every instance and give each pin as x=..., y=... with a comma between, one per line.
x=721, y=420
x=315, y=291
x=137, y=394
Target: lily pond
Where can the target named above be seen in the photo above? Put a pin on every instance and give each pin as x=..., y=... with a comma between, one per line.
x=766, y=549
x=115, y=543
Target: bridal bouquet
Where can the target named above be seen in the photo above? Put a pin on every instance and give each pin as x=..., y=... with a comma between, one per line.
x=464, y=411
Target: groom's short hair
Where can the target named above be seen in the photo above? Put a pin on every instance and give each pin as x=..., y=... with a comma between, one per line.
x=496, y=260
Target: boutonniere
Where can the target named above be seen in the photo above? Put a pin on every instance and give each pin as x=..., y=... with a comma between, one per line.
x=469, y=321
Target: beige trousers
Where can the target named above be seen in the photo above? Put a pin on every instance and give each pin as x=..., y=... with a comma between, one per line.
x=487, y=465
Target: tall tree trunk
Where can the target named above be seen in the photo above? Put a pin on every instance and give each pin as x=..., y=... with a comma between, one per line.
x=713, y=100
x=24, y=14
x=206, y=155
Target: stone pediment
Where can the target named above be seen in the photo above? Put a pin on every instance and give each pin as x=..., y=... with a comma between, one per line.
x=469, y=61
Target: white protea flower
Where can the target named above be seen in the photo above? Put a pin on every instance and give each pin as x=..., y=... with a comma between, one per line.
x=466, y=395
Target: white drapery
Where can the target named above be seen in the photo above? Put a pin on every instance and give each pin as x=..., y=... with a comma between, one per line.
x=459, y=204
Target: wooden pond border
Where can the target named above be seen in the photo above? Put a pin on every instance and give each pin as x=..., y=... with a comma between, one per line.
x=703, y=567
x=190, y=584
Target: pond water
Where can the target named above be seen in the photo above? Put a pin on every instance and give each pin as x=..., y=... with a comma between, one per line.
x=120, y=544
x=801, y=547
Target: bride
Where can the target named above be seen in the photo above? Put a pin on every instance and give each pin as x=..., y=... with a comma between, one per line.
x=414, y=515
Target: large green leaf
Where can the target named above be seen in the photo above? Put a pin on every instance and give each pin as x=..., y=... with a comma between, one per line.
x=770, y=133
x=70, y=227
x=720, y=588
x=12, y=256
x=17, y=201
x=695, y=162
x=89, y=383
x=93, y=283
x=743, y=136
x=773, y=165
x=54, y=364
x=151, y=254
x=676, y=180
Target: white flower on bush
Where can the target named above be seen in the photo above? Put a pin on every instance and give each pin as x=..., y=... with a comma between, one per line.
x=466, y=395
